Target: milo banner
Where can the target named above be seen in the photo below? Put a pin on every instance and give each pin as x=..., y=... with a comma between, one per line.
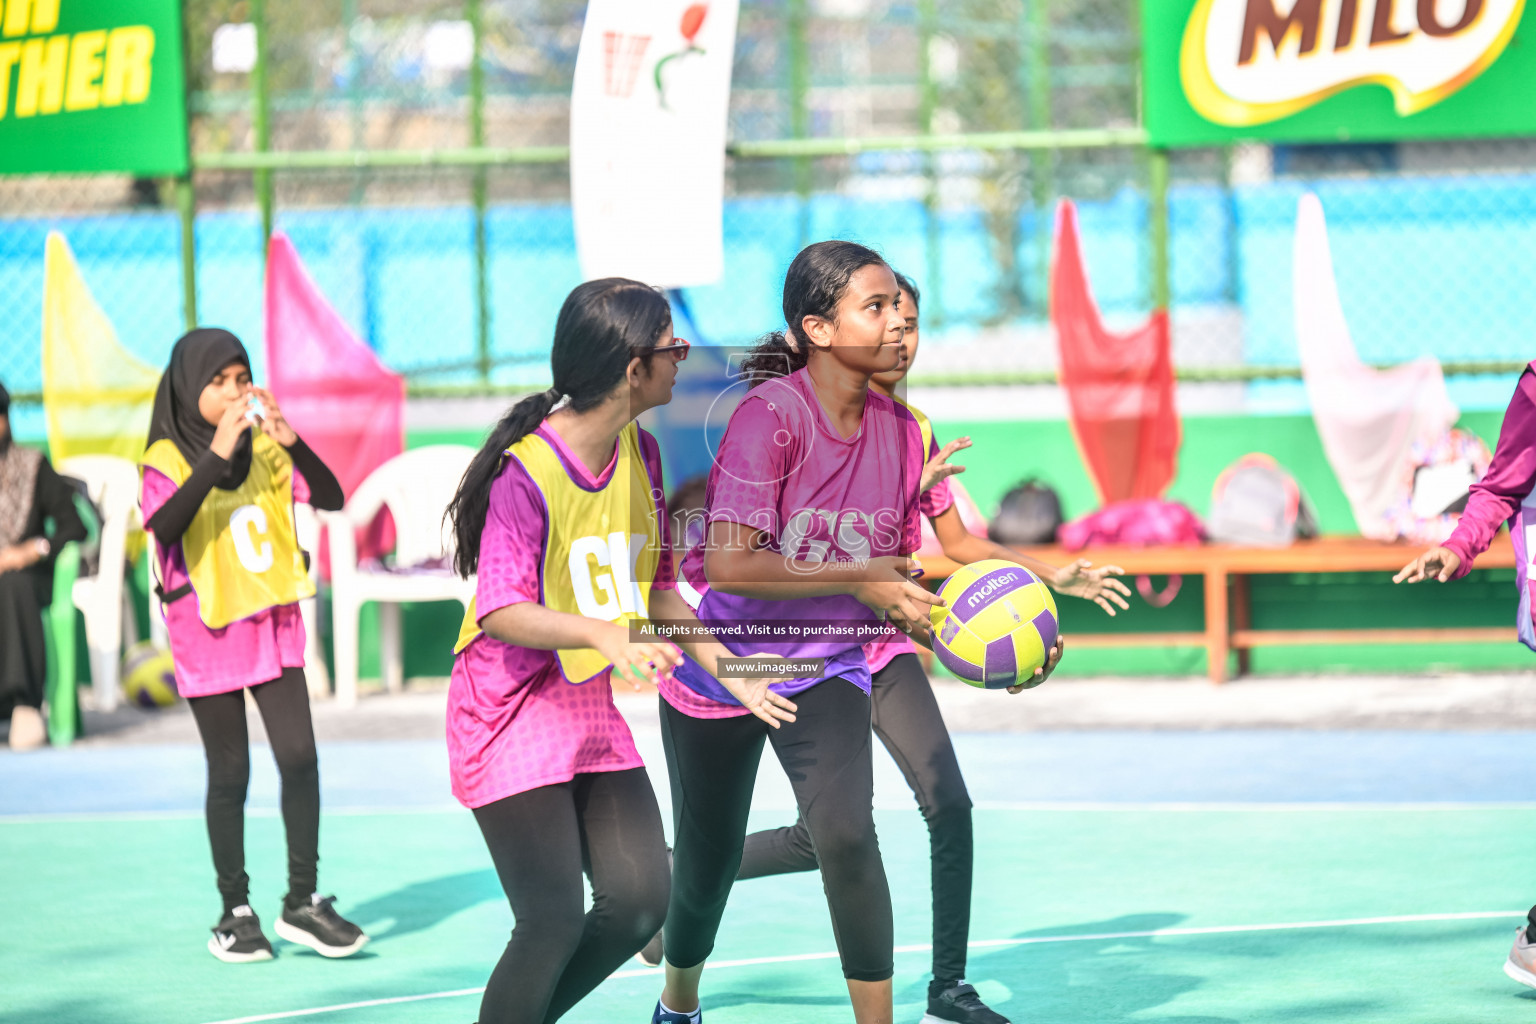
x=648, y=111
x=1337, y=70
x=92, y=85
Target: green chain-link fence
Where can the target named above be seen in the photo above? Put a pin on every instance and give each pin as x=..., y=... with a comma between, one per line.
x=413, y=152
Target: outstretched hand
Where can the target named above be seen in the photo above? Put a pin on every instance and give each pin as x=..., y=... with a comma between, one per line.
x=1099, y=585
x=1440, y=563
x=938, y=467
x=754, y=694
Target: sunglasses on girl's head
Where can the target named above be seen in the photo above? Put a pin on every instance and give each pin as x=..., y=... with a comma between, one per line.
x=678, y=348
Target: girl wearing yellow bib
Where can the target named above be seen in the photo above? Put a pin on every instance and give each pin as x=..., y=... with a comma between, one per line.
x=561, y=516
x=218, y=497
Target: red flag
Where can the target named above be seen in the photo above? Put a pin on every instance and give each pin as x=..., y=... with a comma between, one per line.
x=1119, y=386
x=346, y=404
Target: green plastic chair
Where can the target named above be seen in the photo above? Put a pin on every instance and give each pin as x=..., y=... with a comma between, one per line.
x=61, y=688
x=59, y=635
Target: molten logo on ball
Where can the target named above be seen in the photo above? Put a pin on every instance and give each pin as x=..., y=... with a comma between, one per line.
x=990, y=587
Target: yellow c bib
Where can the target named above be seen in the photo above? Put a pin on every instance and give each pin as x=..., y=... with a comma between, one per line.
x=601, y=548
x=241, y=548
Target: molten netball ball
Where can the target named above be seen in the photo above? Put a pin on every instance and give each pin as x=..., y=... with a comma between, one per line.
x=149, y=676
x=997, y=625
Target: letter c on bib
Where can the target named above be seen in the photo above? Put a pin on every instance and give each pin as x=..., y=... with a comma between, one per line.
x=246, y=520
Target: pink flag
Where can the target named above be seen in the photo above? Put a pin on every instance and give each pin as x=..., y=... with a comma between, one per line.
x=346, y=404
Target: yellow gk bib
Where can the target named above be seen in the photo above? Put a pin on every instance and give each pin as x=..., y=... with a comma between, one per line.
x=242, y=552
x=923, y=424
x=601, y=548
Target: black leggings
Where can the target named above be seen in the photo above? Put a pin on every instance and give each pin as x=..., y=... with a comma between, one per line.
x=906, y=718
x=606, y=824
x=826, y=754
x=284, y=705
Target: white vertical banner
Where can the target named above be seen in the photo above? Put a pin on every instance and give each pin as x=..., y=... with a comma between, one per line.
x=648, y=118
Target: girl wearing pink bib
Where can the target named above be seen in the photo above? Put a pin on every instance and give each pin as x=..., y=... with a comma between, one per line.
x=560, y=514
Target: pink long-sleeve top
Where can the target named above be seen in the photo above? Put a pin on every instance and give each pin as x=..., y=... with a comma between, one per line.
x=1510, y=477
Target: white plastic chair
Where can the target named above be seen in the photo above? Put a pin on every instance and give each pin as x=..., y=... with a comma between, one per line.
x=306, y=524
x=416, y=486
x=103, y=600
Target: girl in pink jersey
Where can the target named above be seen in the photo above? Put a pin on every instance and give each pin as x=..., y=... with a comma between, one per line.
x=214, y=488
x=812, y=507
x=1505, y=494
x=560, y=514
x=906, y=718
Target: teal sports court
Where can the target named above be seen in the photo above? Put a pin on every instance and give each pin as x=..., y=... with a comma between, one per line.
x=1180, y=877
x=388, y=203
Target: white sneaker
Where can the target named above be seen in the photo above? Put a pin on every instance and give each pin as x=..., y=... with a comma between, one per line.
x=27, y=729
x=1521, y=965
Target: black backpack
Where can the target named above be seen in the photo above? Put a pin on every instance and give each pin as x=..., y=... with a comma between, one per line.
x=1029, y=514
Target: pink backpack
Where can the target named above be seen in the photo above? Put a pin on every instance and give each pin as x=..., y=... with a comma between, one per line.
x=1137, y=523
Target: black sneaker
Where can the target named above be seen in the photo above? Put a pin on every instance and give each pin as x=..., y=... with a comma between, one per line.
x=660, y=1016
x=316, y=925
x=237, y=939
x=959, y=1004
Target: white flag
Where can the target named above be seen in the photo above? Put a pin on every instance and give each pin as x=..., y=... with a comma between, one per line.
x=648, y=113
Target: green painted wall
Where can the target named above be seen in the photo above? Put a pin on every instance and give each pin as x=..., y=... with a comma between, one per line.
x=1006, y=452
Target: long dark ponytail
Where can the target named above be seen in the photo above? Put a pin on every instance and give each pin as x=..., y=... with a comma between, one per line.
x=814, y=285
x=602, y=326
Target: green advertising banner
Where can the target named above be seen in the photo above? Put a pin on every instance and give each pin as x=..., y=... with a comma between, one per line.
x=92, y=85
x=1337, y=70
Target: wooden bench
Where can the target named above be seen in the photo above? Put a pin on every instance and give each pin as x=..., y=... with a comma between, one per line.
x=1226, y=570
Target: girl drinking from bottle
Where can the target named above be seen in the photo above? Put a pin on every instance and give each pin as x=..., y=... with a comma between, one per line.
x=220, y=477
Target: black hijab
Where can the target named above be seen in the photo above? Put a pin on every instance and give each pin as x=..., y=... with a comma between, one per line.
x=198, y=356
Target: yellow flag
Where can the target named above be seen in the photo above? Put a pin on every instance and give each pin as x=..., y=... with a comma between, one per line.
x=96, y=394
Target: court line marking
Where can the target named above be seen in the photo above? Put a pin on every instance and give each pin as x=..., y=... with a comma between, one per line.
x=652, y=972
x=1285, y=806
x=1182, y=807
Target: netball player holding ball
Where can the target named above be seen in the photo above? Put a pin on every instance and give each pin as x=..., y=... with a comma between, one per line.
x=561, y=514
x=906, y=717
x=811, y=510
